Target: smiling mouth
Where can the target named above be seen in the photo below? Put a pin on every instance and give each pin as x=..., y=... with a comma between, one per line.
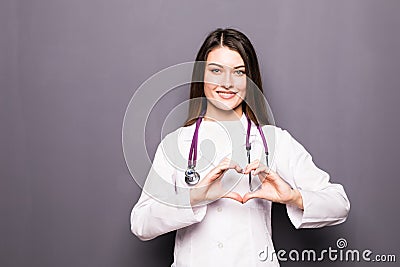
x=226, y=94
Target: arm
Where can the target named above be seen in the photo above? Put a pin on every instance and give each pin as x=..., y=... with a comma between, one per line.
x=161, y=209
x=324, y=203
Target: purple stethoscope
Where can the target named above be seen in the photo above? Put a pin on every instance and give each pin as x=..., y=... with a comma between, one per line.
x=192, y=177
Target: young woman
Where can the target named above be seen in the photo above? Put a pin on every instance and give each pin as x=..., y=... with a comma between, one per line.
x=219, y=197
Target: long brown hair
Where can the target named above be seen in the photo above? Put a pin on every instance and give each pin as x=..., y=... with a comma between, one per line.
x=253, y=105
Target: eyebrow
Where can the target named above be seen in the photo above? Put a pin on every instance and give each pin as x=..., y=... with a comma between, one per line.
x=218, y=65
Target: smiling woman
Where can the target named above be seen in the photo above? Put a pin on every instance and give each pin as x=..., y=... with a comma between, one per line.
x=214, y=210
x=224, y=79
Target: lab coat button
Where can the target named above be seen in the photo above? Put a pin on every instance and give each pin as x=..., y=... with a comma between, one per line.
x=220, y=245
x=219, y=209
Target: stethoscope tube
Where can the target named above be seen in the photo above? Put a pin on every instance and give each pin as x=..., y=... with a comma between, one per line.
x=248, y=146
x=192, y=177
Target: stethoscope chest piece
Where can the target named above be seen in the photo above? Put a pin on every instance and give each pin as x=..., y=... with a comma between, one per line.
x=191, y=176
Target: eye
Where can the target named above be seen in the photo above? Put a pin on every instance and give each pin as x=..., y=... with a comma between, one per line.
x=239, y=72
x=215, y=70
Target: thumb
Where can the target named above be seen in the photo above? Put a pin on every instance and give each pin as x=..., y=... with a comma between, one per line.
x=250, y=195
x=234, y=196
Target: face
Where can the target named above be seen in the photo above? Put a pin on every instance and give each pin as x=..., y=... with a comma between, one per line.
x=225, y=79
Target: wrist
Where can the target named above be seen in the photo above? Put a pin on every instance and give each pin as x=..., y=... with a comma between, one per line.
x=195, y=198
x=297, y=199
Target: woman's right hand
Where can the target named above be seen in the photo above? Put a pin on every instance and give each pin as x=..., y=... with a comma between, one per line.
x=209, y=188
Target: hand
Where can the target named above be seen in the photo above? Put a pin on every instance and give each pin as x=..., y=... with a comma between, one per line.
x=273, y=187
x=209, y=188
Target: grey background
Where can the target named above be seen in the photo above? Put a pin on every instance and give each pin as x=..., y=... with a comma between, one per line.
x=69, y=68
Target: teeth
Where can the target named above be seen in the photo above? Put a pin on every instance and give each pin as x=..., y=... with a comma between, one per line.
x=226, y=95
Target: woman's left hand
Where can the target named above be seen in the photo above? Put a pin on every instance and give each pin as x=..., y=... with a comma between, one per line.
x=273, y=187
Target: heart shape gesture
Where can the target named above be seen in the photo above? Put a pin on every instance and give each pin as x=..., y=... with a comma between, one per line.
x=273, y=187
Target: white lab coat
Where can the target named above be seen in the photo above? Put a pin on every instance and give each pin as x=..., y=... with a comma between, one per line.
x=226, y=232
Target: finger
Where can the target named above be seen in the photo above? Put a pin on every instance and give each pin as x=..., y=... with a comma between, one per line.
x=251, y=166
x=230, y=164
x=223, y=164
x=212, y=175
x=250, y=195
x=234, y=196
x=263, y=172
x=217, y=173
x=260, y=174
x=266, y=172
x=236, y=167
x=259, y=169
x=220, y=170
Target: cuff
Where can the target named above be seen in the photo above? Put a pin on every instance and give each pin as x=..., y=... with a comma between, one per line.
x=189, y=213
x=297, y=215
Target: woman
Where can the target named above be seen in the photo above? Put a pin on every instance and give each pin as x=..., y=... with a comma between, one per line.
x=223, y=215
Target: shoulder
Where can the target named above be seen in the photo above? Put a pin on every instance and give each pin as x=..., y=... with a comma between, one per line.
x=173, y=146
x=282, y=138
x=286, y=142
x=181, y=134
x=276, y=131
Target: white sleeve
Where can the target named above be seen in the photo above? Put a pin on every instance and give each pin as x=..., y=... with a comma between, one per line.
x=325, y=203
x=162, y=207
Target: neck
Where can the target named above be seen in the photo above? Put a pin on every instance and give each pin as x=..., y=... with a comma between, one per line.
x=216, y=114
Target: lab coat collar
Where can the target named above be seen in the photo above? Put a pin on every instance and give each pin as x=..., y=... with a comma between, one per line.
x=187, y=132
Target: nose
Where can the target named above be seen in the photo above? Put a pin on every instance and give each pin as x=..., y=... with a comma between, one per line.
x=227, y=82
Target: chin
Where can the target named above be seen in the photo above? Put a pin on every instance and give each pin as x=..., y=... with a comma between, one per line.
x=224, y=106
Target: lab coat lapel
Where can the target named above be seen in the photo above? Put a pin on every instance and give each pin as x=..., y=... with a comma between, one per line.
x=187, y=132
